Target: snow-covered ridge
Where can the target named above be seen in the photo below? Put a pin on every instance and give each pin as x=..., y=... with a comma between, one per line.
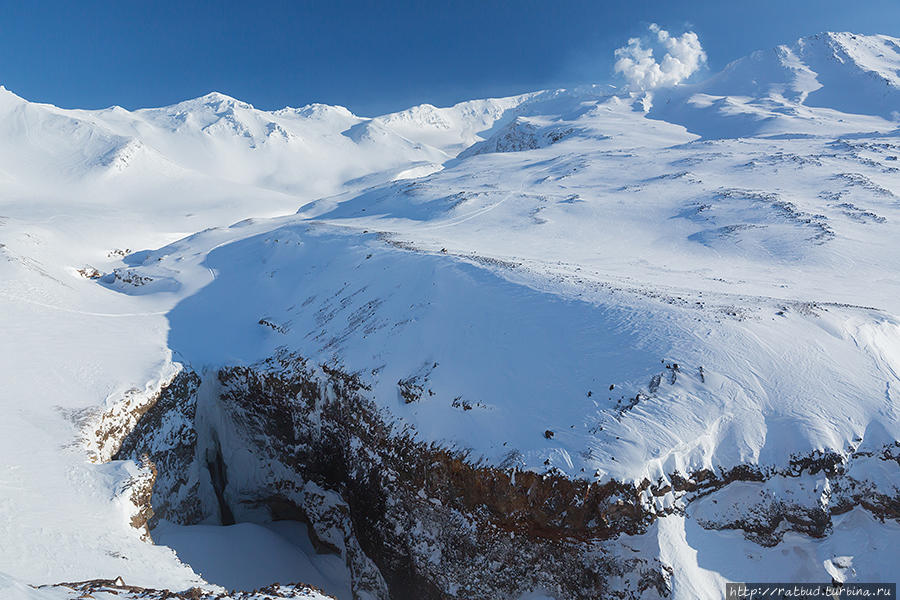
x=696, y=306
x=819, y=69
x=815, y=83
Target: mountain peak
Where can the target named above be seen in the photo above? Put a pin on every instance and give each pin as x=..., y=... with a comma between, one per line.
x=776, y=89
x=215, y=101
x=317, y=110
x=219, y=97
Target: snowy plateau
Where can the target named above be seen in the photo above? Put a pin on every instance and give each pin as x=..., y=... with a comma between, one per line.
x=571, y=344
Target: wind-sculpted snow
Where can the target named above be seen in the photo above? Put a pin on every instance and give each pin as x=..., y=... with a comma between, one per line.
x=689, y=313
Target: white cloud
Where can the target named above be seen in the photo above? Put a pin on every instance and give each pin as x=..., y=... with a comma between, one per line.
x=683, y=57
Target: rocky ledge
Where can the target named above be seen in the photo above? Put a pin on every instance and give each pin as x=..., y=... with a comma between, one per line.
x=116, y=589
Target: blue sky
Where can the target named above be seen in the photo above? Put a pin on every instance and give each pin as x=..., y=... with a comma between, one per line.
x=372, y=57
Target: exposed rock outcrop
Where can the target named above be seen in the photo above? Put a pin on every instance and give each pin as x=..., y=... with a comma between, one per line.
x=110, y=589
x=285, y=439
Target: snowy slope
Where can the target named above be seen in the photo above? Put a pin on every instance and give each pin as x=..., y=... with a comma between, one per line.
x=557, y=282
x=694, y=249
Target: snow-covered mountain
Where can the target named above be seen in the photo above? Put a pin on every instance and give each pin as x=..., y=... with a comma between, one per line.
x=817, y=82
x=568, y=344
x=842, y=71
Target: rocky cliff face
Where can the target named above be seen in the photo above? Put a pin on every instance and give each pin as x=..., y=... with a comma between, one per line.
x=286, y=439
